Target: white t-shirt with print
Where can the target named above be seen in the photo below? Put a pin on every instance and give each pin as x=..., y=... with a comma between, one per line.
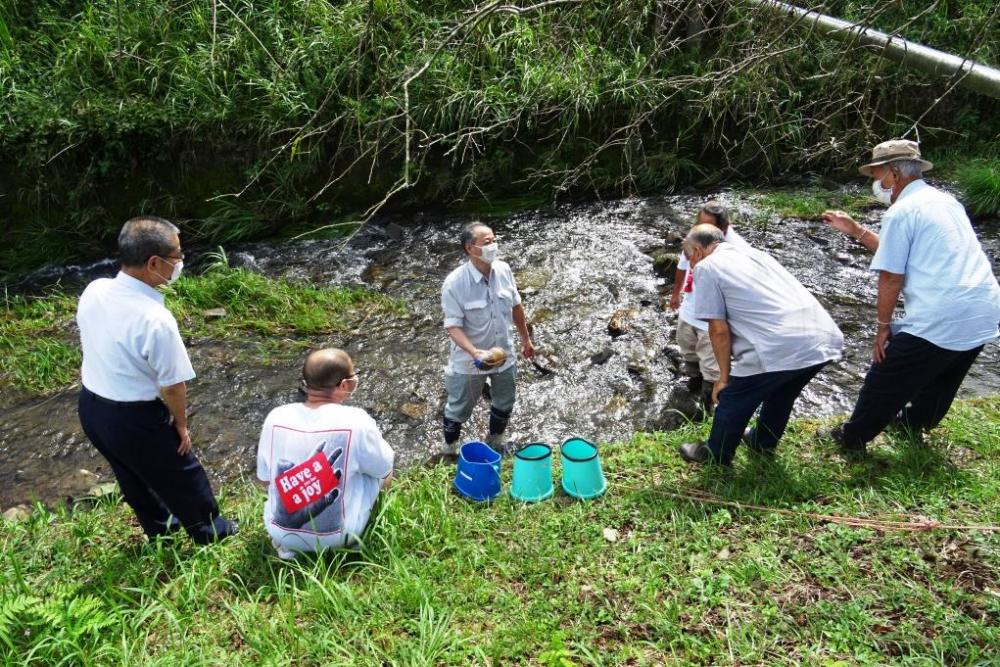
x=333, y=510
x=686, y=312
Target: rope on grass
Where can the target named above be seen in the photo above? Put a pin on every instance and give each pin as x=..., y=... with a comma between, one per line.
x=858, y=522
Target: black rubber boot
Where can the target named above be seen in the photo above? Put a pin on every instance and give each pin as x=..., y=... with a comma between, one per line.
x=498, y=421
x=452, y=431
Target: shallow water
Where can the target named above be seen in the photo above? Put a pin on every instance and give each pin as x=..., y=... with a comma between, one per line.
x=576, y=267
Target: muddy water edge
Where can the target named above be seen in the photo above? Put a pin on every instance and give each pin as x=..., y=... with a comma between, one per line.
x=592, y=292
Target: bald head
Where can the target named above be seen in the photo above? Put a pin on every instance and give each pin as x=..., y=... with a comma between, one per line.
x=327, y=368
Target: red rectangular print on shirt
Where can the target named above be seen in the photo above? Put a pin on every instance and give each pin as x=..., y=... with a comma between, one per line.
x=305, y=483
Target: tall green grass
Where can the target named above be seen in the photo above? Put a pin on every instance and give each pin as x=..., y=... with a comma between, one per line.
x=109, y=109
x=441, y=581
x=39, y=342
x=980, y=185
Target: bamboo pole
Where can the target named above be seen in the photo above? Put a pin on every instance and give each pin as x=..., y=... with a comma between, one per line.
x=973, y=75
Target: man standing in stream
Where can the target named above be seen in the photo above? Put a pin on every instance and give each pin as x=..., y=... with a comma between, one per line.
x=928, y=251
x=133, y=403
x=692, y=333
x=480, y=302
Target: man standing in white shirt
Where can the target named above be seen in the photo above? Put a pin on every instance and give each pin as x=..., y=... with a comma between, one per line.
x=324, y=462
x=692, y=333
x=770, y=337
x=927, y=251
x=480, y=302
x=133, y=401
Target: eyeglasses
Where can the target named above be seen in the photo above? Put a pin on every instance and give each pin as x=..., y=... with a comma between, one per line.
x=181, y=258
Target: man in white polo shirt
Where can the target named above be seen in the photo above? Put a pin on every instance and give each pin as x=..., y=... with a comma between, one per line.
x=324, y=462
x=133, y=401
x=692, y=333
x=928, y=251
x=770, y=338
x=480, y=302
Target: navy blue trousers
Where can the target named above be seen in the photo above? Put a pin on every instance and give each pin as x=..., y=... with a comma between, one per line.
x=914, y=371
x=140, y=443
x=774, y=393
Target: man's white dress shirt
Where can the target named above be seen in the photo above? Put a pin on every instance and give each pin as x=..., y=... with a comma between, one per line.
x=131, y=345
x=950, y=294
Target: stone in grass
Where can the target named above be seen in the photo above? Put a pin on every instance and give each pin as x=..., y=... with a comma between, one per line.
x=214, y=313
x=103, y=490
x=17, y=513
x=610, y=534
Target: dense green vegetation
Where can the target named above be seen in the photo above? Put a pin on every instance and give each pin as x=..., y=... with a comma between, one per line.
x=441, y=581
x=39, y=345
x=111, y=108
x=980, y=183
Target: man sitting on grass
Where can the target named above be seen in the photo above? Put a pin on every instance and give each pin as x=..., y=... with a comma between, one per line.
x=770, y=337
x=324, y=462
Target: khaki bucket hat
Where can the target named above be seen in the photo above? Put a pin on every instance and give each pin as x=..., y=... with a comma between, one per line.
x=895, y=149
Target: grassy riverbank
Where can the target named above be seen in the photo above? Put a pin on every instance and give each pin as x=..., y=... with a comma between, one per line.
x=248, y=118
x=443, y=581
x=39, y=342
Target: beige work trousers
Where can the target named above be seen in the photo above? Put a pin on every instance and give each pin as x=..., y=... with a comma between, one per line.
x=696, y=347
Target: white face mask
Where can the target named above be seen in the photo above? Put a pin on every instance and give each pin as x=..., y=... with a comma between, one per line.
x=884, y=196
x=489, y=252
x=175, y=273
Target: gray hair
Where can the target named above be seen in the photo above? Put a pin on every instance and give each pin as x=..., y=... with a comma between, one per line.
x=705, y=236
x=145, y=237
x=907, y=168
x=718, y=211
x=468, y=233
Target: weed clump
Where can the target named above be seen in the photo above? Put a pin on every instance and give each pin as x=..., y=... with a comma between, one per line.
x=39, y=345
x=980, y=185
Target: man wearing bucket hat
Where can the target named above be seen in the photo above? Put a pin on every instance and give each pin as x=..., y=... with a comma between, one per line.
x=480, y=302
x=926, y=250
x=770, y=338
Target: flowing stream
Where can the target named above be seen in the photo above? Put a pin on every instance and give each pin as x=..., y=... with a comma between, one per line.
x=578, y=268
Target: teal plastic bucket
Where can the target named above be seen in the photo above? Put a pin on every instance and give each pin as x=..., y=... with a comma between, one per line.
x=532, y=473
x=478, y=474
x=582, y=476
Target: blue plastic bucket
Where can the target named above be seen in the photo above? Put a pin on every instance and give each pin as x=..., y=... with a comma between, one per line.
x=582, y=476
x=532, y=473
x=478, y=474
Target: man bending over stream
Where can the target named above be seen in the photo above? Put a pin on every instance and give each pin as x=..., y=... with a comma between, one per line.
x=770, y=337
